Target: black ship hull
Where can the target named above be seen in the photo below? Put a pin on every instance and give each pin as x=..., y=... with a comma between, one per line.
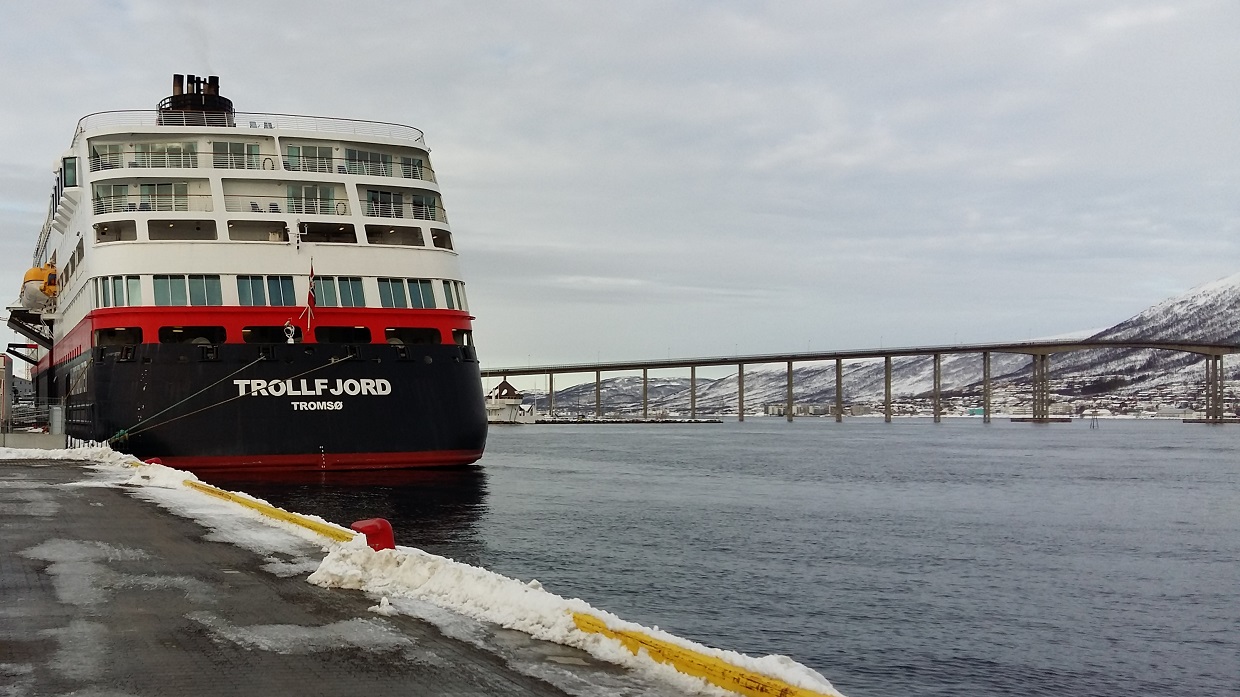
x=291, y=407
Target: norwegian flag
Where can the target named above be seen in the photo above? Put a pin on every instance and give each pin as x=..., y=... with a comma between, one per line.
x=310, y=295
x=308, y=313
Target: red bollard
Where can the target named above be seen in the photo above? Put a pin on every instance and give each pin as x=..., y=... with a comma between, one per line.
x=378, y=533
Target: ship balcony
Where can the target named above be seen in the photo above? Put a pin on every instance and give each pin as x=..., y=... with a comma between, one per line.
x=345, y=165
x=415, y=211
x=143, y=159
x=129, y=158
x=285, y=204
x=152, y=203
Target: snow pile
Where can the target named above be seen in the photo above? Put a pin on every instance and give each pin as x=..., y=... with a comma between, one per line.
x=475, y=592
x=149, y=474
x=96, y=453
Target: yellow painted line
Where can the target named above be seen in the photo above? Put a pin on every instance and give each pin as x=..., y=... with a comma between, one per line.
x=690, y=662
x=330, y=531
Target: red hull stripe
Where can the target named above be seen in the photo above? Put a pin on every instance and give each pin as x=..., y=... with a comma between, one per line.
x=234, y=318
x=310, y=462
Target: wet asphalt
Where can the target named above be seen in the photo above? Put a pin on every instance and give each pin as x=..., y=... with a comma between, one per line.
x=104, y=594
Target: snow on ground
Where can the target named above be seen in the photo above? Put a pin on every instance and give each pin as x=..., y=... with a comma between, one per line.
x=406, y=580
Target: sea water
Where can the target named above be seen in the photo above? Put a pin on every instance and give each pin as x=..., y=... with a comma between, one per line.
x=908, y=558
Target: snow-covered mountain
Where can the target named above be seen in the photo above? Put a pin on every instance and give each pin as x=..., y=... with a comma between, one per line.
x=1207, y=313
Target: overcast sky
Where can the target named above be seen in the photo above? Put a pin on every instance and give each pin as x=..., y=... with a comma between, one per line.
x=643, y=179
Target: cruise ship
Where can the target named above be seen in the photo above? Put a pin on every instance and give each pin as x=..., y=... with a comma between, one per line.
x=248, y=291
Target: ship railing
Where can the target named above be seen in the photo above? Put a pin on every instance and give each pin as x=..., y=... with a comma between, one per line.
x=152, y=203
x=186, y=160
x=285, y=204
x=260, y=161
x=243, y=120
x=143, y=159
x=416, y=211
x=346, y=165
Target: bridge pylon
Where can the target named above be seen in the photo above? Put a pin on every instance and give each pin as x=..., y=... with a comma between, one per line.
x=1041, y=386
x=1214, y=388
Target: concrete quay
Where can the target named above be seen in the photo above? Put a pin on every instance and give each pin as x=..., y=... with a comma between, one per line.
x=107, y=594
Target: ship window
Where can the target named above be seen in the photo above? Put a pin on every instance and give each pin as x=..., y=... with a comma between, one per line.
x=384, y=204
x=351, y=294
x=270, y=335
x=116, y=231
x=204, y=290
x=395, y=234
x=134, y=286
x=280, y=290
x=111, y=198
x=250, y=290
x=170, y=290
x=345, y=291
x=168, y=196
x=463, y=337
x=234, y=155
x=105, y=157
x=420, y=293
x=104, y=292
x=257, y=231
x=309, y=158
x=342, y=335
x=274, y=290
x=118, y=336
x=392, y=292
x=441, y=238
x=191, y=335
x=448, y=295
x=314, y=199
x=68, y=172
x=329, y=232
x=166, y=155
x=372, y=163
x=325, y=292
x=411, y=168
x=411, y=336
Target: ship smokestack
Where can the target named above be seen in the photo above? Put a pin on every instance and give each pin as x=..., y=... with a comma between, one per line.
x=195, y=101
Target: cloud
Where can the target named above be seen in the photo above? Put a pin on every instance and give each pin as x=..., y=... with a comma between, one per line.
x=620, y=176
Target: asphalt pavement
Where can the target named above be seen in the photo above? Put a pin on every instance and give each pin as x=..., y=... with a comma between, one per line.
x=106, y=595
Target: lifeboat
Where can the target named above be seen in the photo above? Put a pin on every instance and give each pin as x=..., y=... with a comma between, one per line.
x=39, y=288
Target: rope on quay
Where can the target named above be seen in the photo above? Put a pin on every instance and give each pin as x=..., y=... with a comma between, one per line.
x=713, y=670
x=325, y=529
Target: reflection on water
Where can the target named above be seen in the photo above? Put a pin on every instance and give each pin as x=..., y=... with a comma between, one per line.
x=436, y=509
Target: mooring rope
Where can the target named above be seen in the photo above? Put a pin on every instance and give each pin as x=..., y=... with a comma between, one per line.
x=147, y=425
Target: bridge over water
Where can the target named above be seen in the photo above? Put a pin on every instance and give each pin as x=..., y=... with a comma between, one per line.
x=1039, y=351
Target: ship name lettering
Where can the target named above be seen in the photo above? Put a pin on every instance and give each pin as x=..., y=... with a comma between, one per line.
x=282, y=388
x=317, y=406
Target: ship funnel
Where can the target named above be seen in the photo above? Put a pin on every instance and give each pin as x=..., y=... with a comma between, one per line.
x=195, y=102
